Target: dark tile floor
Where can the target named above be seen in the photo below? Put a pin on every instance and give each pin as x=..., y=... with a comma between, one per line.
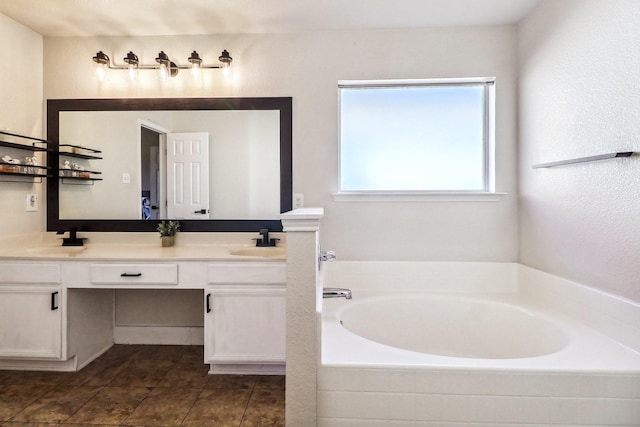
x=141, y=386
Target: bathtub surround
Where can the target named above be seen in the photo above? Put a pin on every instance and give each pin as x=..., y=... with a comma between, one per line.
x=382, y=385
x=368, y=397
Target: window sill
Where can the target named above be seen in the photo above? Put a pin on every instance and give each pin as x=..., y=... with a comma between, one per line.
x=417, y=196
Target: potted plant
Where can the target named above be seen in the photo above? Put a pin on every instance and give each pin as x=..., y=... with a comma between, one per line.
x=168, y=230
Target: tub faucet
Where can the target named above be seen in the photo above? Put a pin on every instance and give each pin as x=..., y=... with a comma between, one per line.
x=336, y=293
x=328, y=256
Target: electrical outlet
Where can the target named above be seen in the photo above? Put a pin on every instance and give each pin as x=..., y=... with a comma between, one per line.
x=32, y=202
x=126, y=178
x=298, y=200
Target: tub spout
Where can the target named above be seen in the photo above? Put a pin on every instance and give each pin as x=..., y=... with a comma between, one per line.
x=336, y=293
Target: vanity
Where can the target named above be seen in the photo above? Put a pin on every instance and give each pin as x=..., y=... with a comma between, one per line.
x=57, y=303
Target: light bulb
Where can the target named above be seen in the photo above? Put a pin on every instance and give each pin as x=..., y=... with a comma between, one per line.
x=195, y=71
x=101, y=63
x=132, y=71
x=163, y=73
x=100, y=71
x=227, y=73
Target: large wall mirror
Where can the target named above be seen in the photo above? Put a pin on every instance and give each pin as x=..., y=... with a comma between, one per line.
x=215, y=164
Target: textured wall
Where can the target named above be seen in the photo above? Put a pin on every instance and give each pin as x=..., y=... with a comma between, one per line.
x=21, y=111
x=580, y=96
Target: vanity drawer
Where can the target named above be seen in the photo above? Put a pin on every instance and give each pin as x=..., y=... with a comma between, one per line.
x=247, y=272
x=29, y=273
x=152, y=274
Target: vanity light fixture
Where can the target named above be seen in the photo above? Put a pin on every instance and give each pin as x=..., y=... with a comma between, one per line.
x=164, y=65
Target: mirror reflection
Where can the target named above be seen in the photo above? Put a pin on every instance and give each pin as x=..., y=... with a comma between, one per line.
x=175, y=164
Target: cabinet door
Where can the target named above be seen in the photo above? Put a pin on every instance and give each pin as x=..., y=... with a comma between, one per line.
x=246, y=325
x=31, y=322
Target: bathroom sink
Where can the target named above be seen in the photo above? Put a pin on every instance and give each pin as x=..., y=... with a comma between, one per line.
x=55, y=250
x=269, y=252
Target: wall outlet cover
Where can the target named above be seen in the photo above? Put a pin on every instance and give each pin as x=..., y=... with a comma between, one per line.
x=298, y=200
x=32, y=202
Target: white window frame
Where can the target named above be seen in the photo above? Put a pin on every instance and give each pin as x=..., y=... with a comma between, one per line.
x=486, y=194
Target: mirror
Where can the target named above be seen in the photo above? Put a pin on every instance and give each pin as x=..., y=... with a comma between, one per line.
x=249, y=163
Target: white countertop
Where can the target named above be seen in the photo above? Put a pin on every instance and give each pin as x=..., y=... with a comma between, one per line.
x=142, y=246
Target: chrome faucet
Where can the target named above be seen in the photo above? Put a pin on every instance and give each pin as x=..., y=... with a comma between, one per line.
x=328, y=256
x=336, y=293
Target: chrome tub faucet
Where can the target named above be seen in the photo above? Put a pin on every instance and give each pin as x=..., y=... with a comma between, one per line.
x=336, y=293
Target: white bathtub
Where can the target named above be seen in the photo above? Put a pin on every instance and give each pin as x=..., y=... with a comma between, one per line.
x=475, y=327
x=458, y=343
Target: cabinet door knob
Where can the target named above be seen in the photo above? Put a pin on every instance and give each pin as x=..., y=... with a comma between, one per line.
x=54, y=306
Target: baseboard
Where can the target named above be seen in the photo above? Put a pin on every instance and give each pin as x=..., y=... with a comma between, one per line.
x=159, y=335
x=247, y=369
x=68, y=365
x=94, y=357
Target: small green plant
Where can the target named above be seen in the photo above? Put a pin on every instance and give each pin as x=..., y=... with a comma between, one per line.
x=168, y=228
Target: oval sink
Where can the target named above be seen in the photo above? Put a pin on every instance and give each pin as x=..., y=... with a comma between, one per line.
x=270, y=252
x=55, y=250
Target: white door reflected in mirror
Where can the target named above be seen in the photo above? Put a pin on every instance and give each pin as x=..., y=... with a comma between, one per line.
x=188, y=175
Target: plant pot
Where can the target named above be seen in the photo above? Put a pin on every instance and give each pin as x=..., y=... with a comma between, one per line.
x=167, y=241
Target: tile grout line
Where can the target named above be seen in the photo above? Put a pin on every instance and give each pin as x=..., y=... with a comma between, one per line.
x=151, y=389
x=244, y=413
x=85, y=404
x=192, y=405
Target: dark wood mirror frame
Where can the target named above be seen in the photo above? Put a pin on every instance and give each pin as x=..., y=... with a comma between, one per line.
x=55, y=106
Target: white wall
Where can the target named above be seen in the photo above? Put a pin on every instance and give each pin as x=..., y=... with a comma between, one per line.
x=21, y=111
x=307, y=67
x=580, y=96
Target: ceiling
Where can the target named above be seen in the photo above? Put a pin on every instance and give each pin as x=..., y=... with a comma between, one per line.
x=69, y=18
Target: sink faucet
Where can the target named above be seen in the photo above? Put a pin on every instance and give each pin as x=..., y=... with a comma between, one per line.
x=265, y=241
x=336, y=293
x=73, y=239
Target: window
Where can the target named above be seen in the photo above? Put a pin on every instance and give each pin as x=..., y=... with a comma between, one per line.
x=416, y=136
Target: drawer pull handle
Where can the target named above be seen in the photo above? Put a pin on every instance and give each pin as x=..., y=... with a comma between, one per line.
x=54, y=306
x=208, y=303
x=131, y=275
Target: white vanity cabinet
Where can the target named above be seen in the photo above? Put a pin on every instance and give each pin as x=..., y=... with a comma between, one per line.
x=61, y=314
x=32, y=311
x=245, y=317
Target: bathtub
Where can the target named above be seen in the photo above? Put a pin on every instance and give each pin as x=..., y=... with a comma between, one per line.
x=454, y=344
